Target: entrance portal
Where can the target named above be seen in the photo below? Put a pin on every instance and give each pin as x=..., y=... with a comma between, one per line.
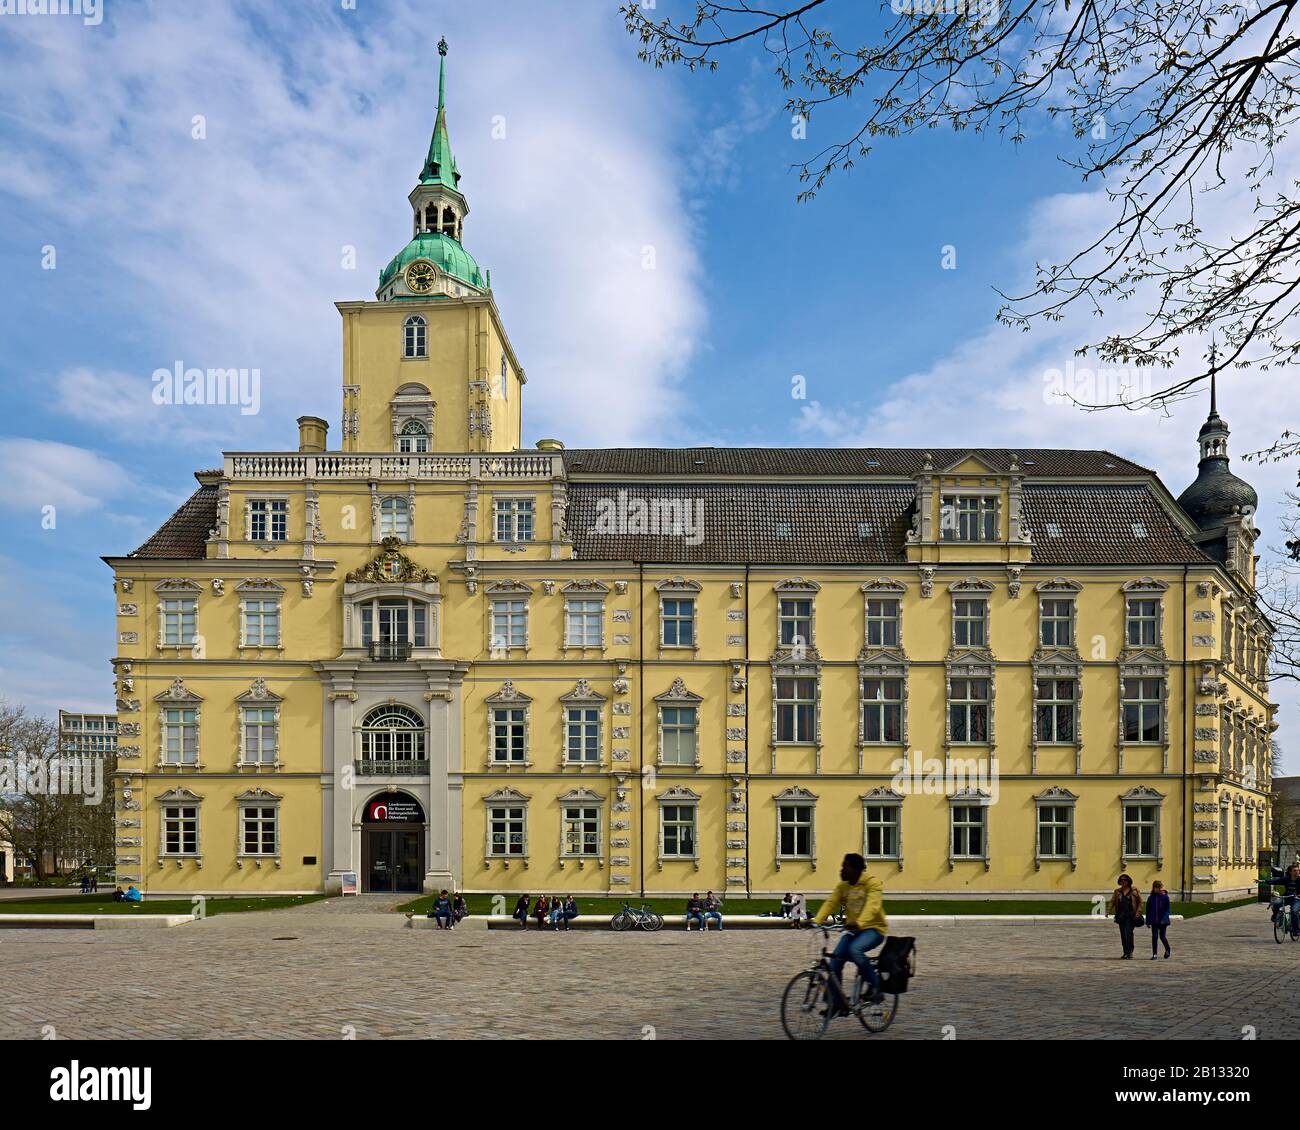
x=392, y=844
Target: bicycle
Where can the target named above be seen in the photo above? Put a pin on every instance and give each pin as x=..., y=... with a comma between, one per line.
x=811, y=1002
x=633, y=917
x=1286, y=920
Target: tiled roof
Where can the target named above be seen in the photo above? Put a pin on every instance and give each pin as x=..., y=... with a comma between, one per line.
x=834, y=524
x=742, y=523
x=835, y=461
x=185, y=533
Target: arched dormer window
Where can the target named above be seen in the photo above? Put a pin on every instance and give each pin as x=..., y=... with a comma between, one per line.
x=415, y=329
x=392, y=740
x=414, y=437
x=395, y=517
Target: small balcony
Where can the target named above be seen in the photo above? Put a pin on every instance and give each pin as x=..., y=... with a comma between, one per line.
x=403, y=768
x=390, y=651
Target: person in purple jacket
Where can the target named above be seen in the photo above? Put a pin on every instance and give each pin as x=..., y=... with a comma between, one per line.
x=1158, y=916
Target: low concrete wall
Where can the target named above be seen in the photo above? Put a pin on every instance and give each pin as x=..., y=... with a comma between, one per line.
x=760, y=922
x=92, y=921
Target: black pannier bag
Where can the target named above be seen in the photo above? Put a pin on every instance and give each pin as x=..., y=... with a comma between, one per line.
x=896, y=964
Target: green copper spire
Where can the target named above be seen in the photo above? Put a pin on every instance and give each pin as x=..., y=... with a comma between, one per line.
x=440, y=165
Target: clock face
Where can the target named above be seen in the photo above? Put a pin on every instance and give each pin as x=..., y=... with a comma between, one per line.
x=420, y=276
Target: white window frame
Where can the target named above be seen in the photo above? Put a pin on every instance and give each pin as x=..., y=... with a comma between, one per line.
x=267, y=519
x=415, y=338
x=887, y=800
x=259, y=802
x=582, y=611
x=1055, y=800
x=977, y=524
x=1136, y=799
x=685, y=800
x=514, y=519
x=395, y=517
x=789, y=801
x=509, y=807
x=510, y=612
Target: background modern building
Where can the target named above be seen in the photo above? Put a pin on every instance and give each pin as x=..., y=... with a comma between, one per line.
x=431, y=657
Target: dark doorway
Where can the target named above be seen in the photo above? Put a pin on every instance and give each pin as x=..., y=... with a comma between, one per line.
x=392, y=857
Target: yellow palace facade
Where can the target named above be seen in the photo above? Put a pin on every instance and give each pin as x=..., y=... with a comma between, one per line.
x=428, y=657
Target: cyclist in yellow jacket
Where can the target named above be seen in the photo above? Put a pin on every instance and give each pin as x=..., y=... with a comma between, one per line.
x=865, y=925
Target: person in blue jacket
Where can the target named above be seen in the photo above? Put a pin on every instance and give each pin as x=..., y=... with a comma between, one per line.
x=1158, y=916
x=441, y=911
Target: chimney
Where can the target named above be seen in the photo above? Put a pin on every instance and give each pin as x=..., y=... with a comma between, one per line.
x=311, y=433
x=549, y=445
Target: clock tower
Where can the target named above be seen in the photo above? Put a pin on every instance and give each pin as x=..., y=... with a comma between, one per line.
x=427, y=366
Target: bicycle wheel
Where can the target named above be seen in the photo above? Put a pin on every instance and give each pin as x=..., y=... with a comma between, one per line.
x=651, y=922
x=805, y=1009
x=1279, y=930
x=621, y=921
x=878, y=1017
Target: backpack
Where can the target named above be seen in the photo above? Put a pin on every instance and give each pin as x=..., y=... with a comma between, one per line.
x=896, y=964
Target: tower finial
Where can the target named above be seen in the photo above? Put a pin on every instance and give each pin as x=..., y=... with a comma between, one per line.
x=1214, y=372
x=442, y=73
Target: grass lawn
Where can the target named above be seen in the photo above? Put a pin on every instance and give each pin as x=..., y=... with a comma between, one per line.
x=599, y=907
x=104, y=904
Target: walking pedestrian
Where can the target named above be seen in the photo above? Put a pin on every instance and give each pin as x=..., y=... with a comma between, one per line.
x=1126, y=908
x=1158, y=916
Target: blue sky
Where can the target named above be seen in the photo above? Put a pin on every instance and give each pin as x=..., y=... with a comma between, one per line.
x=226, y=249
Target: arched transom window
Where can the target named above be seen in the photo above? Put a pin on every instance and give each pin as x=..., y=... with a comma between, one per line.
x=392, y=734
x=413, y=437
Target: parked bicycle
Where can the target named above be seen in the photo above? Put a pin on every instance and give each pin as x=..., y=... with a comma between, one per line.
x=812, y=999
x=1286, y=920
x=641, y=917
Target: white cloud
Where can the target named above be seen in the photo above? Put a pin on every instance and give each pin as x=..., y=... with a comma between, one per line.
x=39, y=473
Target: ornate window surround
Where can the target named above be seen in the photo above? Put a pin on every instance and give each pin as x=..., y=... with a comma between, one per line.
x=585, y=798
x=258, y=696
x=411, y=405
x=680, y=588
x=505, y=797
x=969, y=798
x=676, y=695
x=583, y=695
x=681, y=795
x=267, y=543
x=1144, y=663
x=1057, y=796
x=260, y=588
x=797, y=588
x=509, y=589
x=1147, y=588
x=257, y=798
x=508, y=697
x=377, y=499
x=180, y=796
x=970, y=663
x=796, y=796
x=178, y=588
x=1058, y=663
x=972, y=588
x=881, y=662
x=584, y=589
x=884, y=796
x=180, y=696
x=1141, y=795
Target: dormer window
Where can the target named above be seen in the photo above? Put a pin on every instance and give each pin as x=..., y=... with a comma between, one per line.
x=969, y=517
x=415, y=337
x=414, y=437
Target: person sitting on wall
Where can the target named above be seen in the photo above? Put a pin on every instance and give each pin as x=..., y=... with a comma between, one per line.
x=712, y=910
x=521, y=911
x=568, y=912
x=541, y=910
x=441, y=911
x=556, y=915
x=787, y=904
x=694, y=911
x=459, y=908
x=119, y=895
x=133, y=895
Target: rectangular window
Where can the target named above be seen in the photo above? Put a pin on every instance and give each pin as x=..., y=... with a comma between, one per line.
x=968, y=622
x=882, y=710
x=394, y=621
x=261, y=739
x=1236, y=833
x=1250, y=837
x=1140, y=831
x=179, y=622
x=584, y=623
x=882, y=622
x=259, y=830
x=1056, y=623
x=506, y=831
x=796, y=709
x=679, y=725
x=1143, y=711
x=679, y=621
x=882, y=830
x=268, y=519
x=795, y=621
x=1055, y=831
x=509, y=734
x=969, y=710
x=795, y=831
x=181, y=830
x=509, y=623
x=582, y=729
x=1143, y=618
x=261, y=623
x=969, y=518
x=968, y=830
x=180, y=736
x=581, y=831
x=1056, y=710
x=395, y=518
x=513, y=519
x=678, y=822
